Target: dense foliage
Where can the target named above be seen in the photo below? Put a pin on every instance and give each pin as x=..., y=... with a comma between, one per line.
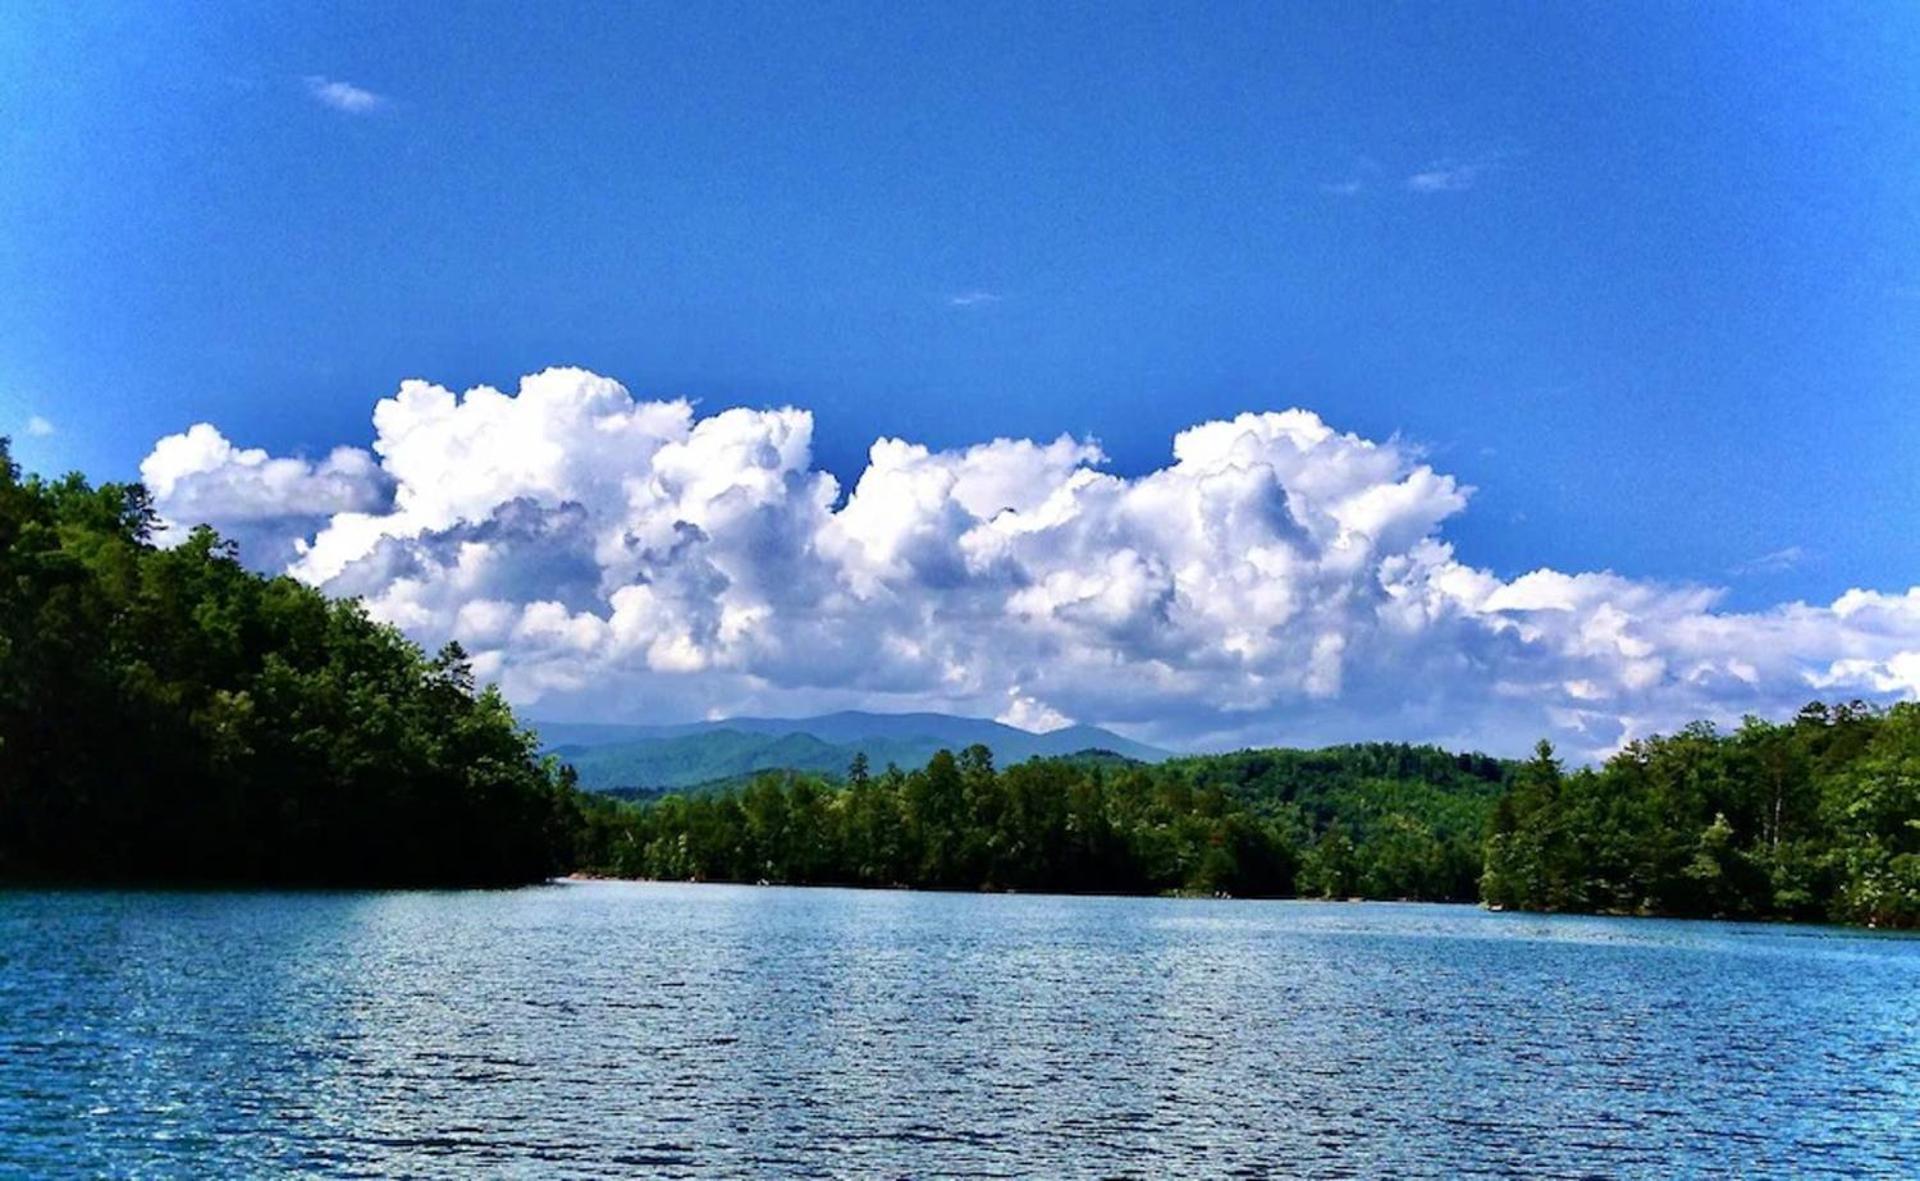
x=1380, y=821
x=1817, y=818
x=166, y=714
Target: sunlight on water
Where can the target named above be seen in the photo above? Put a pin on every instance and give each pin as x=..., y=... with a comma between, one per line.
x=677, y=1030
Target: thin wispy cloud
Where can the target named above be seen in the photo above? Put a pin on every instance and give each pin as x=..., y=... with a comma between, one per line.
x=1357, y=177
x=1778, y=562
x=1457, y=174
x=343, y=96
x=1447, y=176
x=972, y=299
x=38, y=427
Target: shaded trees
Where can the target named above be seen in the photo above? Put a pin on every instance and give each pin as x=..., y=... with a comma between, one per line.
x=1817, y=818
x=166, y=714
x=1229, y=824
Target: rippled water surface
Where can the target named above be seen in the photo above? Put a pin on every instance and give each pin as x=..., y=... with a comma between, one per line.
x=595, y=1029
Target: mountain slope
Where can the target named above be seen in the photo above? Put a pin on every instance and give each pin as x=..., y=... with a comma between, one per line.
x=613, y=756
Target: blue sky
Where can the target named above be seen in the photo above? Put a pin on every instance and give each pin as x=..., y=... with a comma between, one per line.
x=1646, y=276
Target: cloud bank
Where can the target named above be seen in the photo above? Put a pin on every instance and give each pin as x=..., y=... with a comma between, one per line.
x=1278, y=581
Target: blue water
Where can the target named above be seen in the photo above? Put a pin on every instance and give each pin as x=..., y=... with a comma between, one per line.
x=660, y=1030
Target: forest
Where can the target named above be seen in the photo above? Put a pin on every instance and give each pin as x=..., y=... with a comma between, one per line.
x=1379, y=821
x=1814, y=818
x=167, y=715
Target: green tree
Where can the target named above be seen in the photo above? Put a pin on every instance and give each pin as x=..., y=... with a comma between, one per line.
x=167, y=715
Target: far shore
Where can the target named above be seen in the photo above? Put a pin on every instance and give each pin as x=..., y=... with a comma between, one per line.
x=578, y=877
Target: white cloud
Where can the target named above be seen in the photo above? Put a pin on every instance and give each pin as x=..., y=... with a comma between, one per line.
x=972, y=299
x=268, y=505
x=1276, y=581
x=38, y=427
x=1445, y=176
x=1029, y=714
x=344, y=96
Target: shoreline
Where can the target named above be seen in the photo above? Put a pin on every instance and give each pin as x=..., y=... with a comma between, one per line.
x=584, y=878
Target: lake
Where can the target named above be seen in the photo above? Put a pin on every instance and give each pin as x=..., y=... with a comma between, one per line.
x=587, y=1029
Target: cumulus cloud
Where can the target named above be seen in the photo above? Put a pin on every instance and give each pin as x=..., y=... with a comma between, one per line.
x=1277, y=581
x=1028, y=714
x=38, y=427
x=343, y=96
x=270, y=506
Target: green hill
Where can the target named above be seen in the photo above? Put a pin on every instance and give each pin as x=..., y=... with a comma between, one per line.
x=646, y=759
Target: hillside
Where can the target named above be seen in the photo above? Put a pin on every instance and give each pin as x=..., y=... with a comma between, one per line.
x=168, y=716
x=613, y=756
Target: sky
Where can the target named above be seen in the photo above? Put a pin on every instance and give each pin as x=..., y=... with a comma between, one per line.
x=1615, y=305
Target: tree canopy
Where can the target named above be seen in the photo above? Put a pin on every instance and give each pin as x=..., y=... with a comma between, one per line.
x=1382, y=821
x=166, y=714
x=1814, y=818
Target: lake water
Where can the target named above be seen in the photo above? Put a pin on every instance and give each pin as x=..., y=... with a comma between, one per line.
x=661, y=1030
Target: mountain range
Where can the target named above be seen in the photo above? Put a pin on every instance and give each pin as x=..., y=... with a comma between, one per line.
x=636, y=757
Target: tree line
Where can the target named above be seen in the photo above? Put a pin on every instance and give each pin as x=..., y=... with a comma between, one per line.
x=167, y=715
x=1381, y=821
x=1816, y=818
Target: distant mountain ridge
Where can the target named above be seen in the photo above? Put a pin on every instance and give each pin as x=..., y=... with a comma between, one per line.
x=609, y=756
